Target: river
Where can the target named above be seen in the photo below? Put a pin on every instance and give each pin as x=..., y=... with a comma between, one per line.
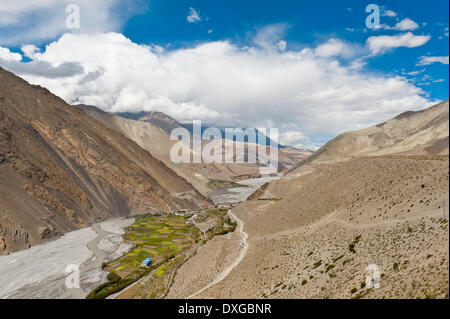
x=239, y=194
x=40, y=272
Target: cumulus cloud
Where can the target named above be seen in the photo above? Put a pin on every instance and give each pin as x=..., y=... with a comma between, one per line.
x=297, y=139
x=12, y=62
x=338, y=48
x=193, y=16
x=225, y=84
x=282, y=45
x=382, y=43
x=426, y=60
x=29, y=50
x=7, y=55
x=406, y=24
x=26, y=21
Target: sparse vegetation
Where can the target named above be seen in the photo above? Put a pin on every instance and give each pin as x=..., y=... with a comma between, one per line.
x=162, y=238
x=329, y=267
x=317, y=264
x=218, y=184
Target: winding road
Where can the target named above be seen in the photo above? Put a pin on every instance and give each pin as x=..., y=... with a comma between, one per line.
x=236, y=262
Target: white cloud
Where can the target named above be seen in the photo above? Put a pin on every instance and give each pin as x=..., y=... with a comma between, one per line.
x=193, y=16
x=7, y=55
x=29, y=50
x=297, y=139
x=389, y=13
x=337, y=48
x=270, y=36
x=380, y=44
x=406, y=24
x=12, y=61
x=426, y=60
x=30, y=21
x=414, y=73
x=220, y=82
x=282, y=45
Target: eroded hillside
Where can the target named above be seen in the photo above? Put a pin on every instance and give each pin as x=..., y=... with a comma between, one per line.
x=424, y=132
x=61, y=170
x=152, y=132
x=313, y=236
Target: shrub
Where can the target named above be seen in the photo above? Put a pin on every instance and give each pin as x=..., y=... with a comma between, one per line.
x=112, y=276
x=329, y=267
x=317, y=264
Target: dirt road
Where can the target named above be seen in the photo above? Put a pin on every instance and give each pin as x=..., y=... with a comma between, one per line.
x=241, y=256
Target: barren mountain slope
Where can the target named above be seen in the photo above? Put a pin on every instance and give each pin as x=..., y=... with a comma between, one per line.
x=313, y=233
x=288, y=156
x=313, y=236
x=155, y=138
x=60, y=169
x=158, y=119
x=423, y=132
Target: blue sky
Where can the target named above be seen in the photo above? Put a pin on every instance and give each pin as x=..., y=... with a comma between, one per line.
x=311, y=68
x=310, y=22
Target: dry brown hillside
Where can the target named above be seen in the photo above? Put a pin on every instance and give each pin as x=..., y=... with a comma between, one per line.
x=313, y=236
x=423, y=132
x=152, y=132
x=60, y=169
x=313, y=233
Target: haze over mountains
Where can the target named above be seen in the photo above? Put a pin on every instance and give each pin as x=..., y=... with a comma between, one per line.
x=152, y=131
x=61, y=170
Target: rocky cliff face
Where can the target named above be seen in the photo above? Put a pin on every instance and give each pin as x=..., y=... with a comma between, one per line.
x=61, y=170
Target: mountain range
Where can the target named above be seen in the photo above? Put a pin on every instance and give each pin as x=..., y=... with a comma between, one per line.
x=60, y=169
x=152, y=131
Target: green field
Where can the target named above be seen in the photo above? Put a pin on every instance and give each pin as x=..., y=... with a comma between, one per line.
x=218, y=184
x=159, y=237
x=162, y=238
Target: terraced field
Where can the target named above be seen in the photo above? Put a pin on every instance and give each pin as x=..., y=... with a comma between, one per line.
x=167, y=240
x=160, y=238
x=157, y=237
